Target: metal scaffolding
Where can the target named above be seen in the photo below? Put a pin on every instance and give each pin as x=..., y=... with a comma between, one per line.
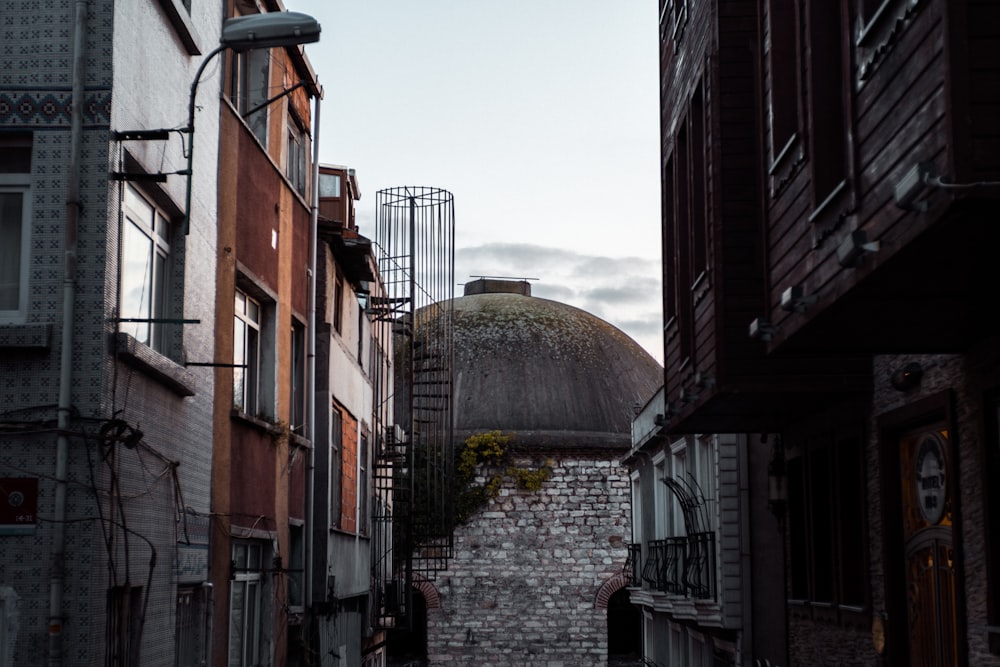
x=414, y=472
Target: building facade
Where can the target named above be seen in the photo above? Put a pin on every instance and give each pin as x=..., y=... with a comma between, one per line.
x=354, y=408
x=693, y=562
x=262, y=442
x=108, y=292
x=827, y=184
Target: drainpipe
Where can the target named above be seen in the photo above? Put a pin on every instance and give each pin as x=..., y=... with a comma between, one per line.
x=311, y=373
x=58, y=574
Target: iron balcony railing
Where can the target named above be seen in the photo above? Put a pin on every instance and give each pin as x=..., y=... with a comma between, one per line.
x=699, y=572
x=633, y=566
x=683, y=565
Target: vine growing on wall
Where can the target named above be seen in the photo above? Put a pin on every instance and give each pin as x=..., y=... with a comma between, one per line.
x=483, y=462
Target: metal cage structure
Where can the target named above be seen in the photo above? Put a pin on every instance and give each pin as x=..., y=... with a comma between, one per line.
x=414, y=467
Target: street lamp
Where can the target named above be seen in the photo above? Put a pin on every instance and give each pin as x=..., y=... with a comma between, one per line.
x=242, y=33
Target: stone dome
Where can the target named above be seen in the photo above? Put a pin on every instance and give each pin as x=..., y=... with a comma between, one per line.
x=555, y=375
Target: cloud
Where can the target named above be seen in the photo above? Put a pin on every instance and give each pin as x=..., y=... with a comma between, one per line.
x=624, y=291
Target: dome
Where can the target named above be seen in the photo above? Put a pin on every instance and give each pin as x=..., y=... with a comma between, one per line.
x=553, y=374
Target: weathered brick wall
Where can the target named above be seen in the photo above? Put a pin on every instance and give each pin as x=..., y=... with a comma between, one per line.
x=521, y=589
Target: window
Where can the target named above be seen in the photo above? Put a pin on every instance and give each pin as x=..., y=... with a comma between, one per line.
x=638, y=536
x=362, y=320
x=15, y=216
x=246, y=598
x=829, y=140
x=246, y=353
x=298, y=407
x=296, y=565
x=250, y=89
x=669, y=243
x=677, y=469
x=682, y=272
x=295, y=167
x=663, y=501
x=703, y=473
x=145, y=271
x=699, y=201
x=329, y=185
x=782, y=26
x=826, y=515
x=338, y=304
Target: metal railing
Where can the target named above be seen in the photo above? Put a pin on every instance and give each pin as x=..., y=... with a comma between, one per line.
x=633, y=566
x=682, y=565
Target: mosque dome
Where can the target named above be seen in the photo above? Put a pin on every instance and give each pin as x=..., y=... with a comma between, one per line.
x=553, y=374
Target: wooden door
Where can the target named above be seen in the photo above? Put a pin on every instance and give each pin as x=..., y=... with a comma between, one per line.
x=927, y=518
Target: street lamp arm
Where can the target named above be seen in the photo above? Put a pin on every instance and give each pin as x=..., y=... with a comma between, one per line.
x=190, y=131
x=242, y=33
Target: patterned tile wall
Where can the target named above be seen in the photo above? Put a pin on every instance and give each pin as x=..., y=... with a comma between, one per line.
x=35, y=96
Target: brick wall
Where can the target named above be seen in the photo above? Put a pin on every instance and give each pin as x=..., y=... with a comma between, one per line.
x=522, y=587
x=349, y=474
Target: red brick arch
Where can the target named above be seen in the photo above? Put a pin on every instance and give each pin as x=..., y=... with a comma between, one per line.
x=427, y=589
x=611, y=585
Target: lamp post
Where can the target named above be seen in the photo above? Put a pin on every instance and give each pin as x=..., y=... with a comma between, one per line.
x=242, y=33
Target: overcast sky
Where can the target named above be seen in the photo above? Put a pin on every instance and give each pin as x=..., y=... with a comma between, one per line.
x=539, y=116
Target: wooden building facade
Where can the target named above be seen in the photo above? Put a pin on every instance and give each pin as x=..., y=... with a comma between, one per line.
x=831, y=181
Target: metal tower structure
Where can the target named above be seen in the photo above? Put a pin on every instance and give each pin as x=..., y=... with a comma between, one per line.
x=414, y=471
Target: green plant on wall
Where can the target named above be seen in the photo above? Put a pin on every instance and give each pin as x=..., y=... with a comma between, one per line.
x=480, y=471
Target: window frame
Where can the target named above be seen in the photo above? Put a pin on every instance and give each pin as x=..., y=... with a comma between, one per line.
x=325, y=181
x=19, y=183
x=241, y=92
x=784, y=85
x=296, y=156
x=251, y=577
x=662, y=498
x=338, y=304
x=808, y=459
x=246, y=356
x=828, y=98
x=677, y=467
x=297, y=409
x=155, y=231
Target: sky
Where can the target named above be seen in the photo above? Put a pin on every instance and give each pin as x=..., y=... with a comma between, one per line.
x=540, y=117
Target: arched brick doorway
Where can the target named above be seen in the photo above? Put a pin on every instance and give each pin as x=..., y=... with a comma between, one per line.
x=624, y=621
x=408, y=645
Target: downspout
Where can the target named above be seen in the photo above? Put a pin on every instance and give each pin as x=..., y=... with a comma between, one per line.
x=58, y=573
x=311, y=371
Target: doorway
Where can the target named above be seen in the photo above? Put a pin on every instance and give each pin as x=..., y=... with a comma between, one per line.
x=927, y=515
x=624, y=630
x=921, y=513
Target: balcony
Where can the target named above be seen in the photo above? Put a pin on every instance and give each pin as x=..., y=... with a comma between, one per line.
x=679, y=566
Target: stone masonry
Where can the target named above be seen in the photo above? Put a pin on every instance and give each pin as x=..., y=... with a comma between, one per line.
x=523, y=587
